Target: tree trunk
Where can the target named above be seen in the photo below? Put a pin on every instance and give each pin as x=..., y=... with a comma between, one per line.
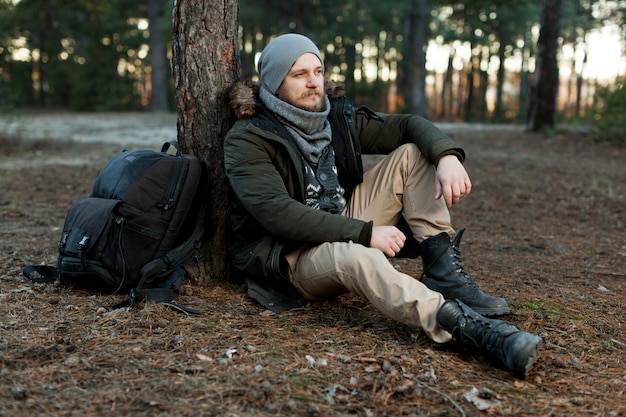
x=43, y=33
x=159, y=64
x=499, y=110
x=472, y=83
x=523, y=78
x=351, y=64
x=205, y=65
x=580, y=80
x=545, y=83
x=419, y=20
x=447, y=111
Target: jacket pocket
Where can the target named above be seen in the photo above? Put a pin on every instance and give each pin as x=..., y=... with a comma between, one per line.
x=262, y=259
x=251, y=259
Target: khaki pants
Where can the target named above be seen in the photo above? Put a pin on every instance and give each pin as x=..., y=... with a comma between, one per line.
x=403, y=183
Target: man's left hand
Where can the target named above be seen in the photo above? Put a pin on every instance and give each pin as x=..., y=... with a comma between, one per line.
x=452, y=181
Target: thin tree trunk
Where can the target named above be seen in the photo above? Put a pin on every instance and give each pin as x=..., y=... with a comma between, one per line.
x=483, y=87
x=473, y=77
x=351, y=57
x=43, y=33
x=523, y=79
x=545, y=84
x=159, y=64
x=446, y=89
x=420, y=14
x=205, y=65
x=580, y=80
x=499, y=110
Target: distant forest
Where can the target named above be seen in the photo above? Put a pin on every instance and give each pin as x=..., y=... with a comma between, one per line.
x=469, y=61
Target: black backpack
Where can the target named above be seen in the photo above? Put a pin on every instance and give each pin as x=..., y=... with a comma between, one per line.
x=143, y=220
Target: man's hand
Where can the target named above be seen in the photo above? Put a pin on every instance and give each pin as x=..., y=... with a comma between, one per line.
x=453, y=182
x=389, y=239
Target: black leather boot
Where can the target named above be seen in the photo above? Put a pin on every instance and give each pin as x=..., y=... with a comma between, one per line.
x=513, y=348
x=444, y=273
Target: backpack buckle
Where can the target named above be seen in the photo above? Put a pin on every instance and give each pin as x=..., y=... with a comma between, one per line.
x=132, y=298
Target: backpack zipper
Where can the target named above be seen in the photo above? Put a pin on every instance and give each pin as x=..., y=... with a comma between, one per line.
x=172, y=192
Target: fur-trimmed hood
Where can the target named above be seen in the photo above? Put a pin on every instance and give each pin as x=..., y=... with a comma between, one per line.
x=244, y=96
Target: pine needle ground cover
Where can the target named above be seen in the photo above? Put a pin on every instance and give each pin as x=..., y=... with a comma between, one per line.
x=545, y=224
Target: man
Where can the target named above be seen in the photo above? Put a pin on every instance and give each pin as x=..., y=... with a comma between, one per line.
x=309, y=224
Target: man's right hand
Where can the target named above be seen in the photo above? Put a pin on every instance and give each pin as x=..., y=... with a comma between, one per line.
x=389, y=239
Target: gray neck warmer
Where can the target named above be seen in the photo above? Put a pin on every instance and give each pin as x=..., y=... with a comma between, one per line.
x=310, y=130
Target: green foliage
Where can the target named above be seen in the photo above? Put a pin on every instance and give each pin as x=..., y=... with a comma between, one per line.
x=76, y=50
x=85, y=54
x=609, y=111
x=16, y=87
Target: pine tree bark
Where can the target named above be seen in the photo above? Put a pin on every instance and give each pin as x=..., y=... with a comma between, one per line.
x=545, y=84
x=205, y=65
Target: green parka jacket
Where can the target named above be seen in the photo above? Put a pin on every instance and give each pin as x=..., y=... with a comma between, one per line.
x=268, y=216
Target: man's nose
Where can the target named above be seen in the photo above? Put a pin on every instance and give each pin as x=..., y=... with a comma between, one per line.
x=313, y=80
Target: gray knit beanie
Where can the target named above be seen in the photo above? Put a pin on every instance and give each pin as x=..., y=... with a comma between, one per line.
x=279, y=56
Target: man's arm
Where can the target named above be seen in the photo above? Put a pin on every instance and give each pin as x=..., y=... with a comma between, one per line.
x=381, y=133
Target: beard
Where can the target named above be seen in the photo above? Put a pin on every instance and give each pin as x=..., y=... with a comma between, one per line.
x=302, y=101
x=318, y=107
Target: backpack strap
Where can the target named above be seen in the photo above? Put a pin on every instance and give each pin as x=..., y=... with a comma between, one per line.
x=171, y=144
x=158, y=295
x=41, y=273
x=173, y=257
x=168, y=262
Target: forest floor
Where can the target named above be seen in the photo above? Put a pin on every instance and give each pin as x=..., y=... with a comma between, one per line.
x=546, y=229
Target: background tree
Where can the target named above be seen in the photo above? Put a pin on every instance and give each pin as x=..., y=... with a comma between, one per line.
x=205, y=65
x=16, y=87
x=160, y=70
x=92, y=55
x=504, y=24
x=545, y=83
x=417, y=42
x=467, y=20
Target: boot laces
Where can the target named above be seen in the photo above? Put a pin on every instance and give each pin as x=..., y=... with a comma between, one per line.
x=455, y=254
x=482, y=334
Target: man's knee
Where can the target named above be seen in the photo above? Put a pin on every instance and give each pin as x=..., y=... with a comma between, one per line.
x=359, y=258
x=409, y=156
x=410, y=150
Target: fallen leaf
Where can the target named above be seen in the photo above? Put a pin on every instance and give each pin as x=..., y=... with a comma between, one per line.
x=372, y=368
x=484, y=399
x=204, y=358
